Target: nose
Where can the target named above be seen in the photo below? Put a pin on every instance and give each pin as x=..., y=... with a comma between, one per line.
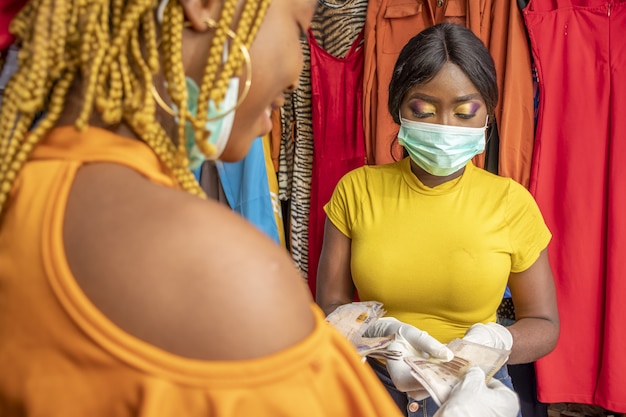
x=445, y=119
x=291, y=88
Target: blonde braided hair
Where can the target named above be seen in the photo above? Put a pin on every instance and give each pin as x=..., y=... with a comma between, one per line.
x=112, y=46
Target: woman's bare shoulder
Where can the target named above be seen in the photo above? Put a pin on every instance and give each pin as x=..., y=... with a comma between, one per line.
x=181, y=272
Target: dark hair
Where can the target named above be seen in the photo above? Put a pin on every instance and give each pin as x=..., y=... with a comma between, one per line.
x=424, y=55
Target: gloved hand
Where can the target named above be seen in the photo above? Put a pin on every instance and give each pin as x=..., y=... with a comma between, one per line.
x=409, y=341
x=473, y=398
x=490, y=334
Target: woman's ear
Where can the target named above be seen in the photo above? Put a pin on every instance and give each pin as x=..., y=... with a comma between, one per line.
x=198, y=12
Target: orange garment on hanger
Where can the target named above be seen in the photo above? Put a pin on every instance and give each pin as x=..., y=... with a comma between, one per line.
x=274, y=139
x=499, y=24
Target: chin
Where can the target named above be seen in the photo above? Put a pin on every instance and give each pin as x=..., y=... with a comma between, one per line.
x=231, y=156
x=235, y=154
x=240, y=142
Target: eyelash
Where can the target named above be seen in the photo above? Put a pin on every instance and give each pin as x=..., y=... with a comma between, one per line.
x=420, y=115
x=459, y=115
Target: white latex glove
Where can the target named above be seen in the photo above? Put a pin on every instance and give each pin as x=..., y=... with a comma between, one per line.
x=409, y=341
x=490, y=334
x=473, y=398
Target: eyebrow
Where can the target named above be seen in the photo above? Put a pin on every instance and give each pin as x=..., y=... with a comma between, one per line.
x=468, y=97
x=460, y=99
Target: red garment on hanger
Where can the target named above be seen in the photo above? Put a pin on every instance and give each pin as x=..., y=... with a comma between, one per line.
x=338, y=141
x=579, y=180
x=8, y=10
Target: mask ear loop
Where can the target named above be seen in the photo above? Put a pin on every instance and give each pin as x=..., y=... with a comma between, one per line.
x=490, y=127
x=246, y=88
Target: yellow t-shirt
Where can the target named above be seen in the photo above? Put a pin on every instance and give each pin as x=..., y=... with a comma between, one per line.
x=60, y=356
x=437, y=258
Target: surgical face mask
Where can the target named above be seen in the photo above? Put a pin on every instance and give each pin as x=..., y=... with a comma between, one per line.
x=219, y=127
x=440, y=150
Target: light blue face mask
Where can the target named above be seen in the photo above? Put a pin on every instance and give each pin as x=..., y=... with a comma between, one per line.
x=440, y=150
x=219, y=127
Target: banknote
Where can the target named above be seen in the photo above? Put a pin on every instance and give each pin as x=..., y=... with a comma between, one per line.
x=353, y=319
x=439, y=377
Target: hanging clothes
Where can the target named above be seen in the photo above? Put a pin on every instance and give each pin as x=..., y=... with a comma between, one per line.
x=579, y=181
x=246, y=184
x=335, y=30
x=338, y=141
x=8, y=10
x=499, y=24
x=272, y=183
x=248, y=187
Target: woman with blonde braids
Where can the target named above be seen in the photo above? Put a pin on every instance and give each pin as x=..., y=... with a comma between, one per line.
x=124, y=292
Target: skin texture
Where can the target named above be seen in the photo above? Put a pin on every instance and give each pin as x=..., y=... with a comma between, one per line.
x=178, y=271
x=450, y=98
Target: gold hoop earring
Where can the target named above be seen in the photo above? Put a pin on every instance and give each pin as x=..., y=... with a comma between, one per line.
x=212, y=24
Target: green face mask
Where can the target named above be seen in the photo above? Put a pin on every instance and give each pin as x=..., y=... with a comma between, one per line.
x=440, y=149
x=219, y=124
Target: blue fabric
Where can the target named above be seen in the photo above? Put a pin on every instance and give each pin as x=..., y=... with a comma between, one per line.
x=246, y=187
x=197, y=172
x=507, y=292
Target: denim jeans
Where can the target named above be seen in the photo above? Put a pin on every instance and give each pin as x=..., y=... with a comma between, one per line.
x=428, y=406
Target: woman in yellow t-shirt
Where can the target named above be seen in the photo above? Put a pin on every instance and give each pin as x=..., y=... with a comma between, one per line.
x=433, y=237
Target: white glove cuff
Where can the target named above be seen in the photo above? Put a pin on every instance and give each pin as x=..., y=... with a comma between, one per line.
x=491, y=334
